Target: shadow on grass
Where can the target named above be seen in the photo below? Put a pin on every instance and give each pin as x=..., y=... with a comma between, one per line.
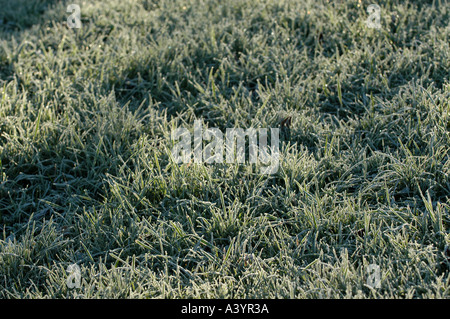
x=19, y=15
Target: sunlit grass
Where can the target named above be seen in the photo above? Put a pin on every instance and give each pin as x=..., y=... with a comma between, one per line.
x=85, y=173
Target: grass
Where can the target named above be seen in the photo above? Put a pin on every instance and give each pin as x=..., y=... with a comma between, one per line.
x=86, y=177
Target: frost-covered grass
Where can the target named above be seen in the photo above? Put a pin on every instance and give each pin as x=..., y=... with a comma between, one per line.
x=86, y=117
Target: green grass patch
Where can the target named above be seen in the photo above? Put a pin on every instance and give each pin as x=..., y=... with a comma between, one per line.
x=86, y=117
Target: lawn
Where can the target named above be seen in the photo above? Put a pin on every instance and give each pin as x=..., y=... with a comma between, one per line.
x=358, y=208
